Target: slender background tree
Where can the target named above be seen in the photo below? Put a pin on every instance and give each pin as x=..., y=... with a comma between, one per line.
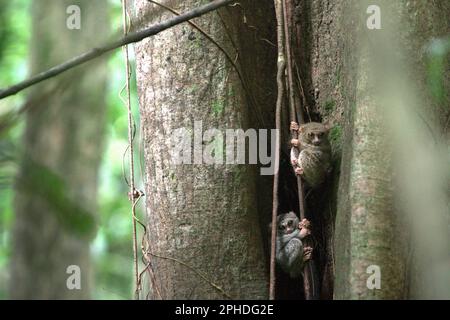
x=56, y=187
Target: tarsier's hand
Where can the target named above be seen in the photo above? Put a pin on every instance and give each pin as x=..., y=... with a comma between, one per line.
x=299, y=171
x=304, y=224
x=294, y=126
x=307, y=252
x=294, y=162
x=294, y=142
x=305, y=228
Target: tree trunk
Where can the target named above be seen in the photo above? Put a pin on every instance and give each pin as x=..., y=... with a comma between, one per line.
x=204, y=215
x=390, y=195
x=337, y=56
x=56, y=186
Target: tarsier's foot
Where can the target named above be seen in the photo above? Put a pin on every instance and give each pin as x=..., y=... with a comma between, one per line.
x=294, y=126
x=299, y=171
x=307, y=253
x=294, y=143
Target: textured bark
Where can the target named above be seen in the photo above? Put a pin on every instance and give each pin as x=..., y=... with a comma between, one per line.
x=325, y=32
x=336, y=54
x=203, y=215
x=56, y=186
x=372, y=228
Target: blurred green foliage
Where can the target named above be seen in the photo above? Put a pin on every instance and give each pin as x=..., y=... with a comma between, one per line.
x=14, y=38
x=43, y=182
x=438, y=51
x=111, y=250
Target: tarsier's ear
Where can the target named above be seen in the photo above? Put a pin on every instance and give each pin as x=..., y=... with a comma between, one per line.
x=292, y=213
x=301, y=128
x=327, y=125
x=270, y=224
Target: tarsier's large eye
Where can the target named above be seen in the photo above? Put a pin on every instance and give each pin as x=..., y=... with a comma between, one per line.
x=320, y=135
x=310, y=134
x=290, y=223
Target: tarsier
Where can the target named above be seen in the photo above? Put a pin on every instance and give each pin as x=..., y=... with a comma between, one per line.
x=313, y=161
x=291, y=254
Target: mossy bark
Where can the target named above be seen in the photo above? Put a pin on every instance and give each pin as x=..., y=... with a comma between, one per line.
x=204, y=215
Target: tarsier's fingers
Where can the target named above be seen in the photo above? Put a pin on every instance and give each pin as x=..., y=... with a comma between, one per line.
x=307, y=253
x=305, y=223
x=294, y=142
x=294, y=126
x=299, y=171
x=304, y=227
x=294, y=162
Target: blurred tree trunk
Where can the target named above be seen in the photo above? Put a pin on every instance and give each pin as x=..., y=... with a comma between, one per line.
x=385, y=73
x=204, y=215
x=56, y=186
x=336, y=57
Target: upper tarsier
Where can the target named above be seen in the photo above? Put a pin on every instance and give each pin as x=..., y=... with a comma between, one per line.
x=313, y=162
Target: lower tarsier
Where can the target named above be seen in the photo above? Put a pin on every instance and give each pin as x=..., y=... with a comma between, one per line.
x=291, y=254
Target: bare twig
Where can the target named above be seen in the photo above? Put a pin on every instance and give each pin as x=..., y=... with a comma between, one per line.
x=294, y=109
x=130, y=144
x=146, y=252
x=244, y=83
x=11, y=118
x=147, y=261
x=148, y=268
x=255, y=29
x=197, y=272
x=302, y=92
x=280, y=74
x=205, y=34
x=129, y=38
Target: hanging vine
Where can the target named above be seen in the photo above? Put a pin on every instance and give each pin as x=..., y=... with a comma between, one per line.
x=281, y=65
x=296, y=116
x=285, y=67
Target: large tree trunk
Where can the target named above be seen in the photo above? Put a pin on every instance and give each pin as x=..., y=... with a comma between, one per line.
x=56, y=187
x=338, y=57
x=205, y=216
x=391, y=198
